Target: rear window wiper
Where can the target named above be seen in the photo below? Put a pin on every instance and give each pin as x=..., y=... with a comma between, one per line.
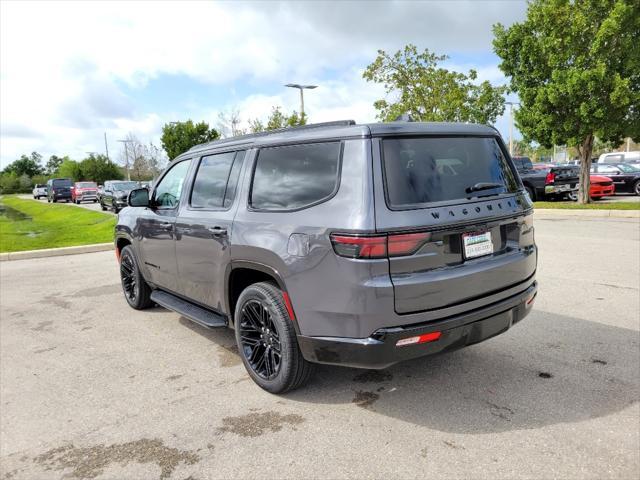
x=483, y=186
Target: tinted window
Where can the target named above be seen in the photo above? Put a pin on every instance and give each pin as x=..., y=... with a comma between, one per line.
x=123, y=185
x=296, y=176
x=213, y=179
x=167, y=193
x=426, y=170
x=64, y=182
x=606, y=169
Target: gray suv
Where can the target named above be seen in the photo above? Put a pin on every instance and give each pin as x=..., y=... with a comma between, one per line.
x=336, y=243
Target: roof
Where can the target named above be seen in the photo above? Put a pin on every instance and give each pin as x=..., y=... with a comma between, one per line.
x=346, y=129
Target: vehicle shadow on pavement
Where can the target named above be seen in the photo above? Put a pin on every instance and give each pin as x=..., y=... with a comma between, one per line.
x=547, y=370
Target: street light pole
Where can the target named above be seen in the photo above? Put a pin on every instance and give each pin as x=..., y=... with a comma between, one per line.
x=301, y=88
x=511, y=104
x=126, y=156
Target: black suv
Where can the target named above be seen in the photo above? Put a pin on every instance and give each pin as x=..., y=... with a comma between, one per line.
x=59, y=189
x=337, y=243
x=114, y=194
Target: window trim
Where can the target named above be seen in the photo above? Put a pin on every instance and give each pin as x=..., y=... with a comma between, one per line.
x=447, y=203
x=251, y=208
x=195, y=176
x=152, y=198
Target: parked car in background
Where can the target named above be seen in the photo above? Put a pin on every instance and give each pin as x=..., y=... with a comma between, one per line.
x=59, y=189
x=84, y=192
x=626, y=178
x=146, y=185
x=601, y=186
x=39, y=191
x=620, y=157
x=343, y=244
x=548, y=182
x=114, y=194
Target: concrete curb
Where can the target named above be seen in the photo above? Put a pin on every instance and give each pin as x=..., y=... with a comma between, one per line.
x=55, y=252
x=552, y=212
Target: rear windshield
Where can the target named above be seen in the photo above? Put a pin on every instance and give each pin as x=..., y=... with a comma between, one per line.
x=61, y=183
x=421, y=171
x=86, y=185
x=124, y=185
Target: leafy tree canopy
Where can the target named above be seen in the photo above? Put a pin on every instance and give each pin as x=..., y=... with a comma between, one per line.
x=575, y=65
x=430, y=93
x=277, y=120
x=178, y=137
x=26, y=165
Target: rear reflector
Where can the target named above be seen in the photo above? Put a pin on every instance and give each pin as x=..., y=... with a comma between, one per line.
x=378, y=246
x=288, y=306
x=427, y=337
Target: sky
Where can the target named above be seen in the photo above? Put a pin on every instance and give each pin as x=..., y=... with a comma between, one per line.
x=72, y=71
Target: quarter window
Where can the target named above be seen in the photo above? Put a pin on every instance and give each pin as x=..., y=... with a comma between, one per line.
x=167, y=193
x=216, y=180
x=297, y=176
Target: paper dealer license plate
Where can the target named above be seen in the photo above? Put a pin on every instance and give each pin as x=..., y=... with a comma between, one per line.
x=477, y=244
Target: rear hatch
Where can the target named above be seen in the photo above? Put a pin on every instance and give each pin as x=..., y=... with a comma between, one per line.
x=62, y=187
x=465, y=194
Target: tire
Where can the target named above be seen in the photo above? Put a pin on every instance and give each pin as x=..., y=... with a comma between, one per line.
x=53, y=200
x=102, y=207
x=116, y=210
x=273, y=330
x=636, y=187
x=48, y=200
x=532, y=195
x=136, y=291
x=572, y=196
x=77, y=202
x=95, y=201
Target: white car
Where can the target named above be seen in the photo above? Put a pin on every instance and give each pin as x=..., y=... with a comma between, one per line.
x=39, y=191
x=620, y=157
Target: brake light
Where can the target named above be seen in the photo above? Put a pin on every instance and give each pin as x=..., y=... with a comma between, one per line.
x=551, y=177
x=427, y=337
x=378, y=246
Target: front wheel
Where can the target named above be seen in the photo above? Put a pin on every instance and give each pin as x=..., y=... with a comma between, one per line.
x=636, y=188
x=135, y=289
x=267, y=340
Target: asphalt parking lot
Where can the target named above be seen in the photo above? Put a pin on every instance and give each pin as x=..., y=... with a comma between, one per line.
x=92, y=389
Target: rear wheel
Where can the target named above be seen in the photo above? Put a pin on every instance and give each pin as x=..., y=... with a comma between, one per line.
x=267, y=340
x=135, y=289
x=636, y=187
x=532, y=195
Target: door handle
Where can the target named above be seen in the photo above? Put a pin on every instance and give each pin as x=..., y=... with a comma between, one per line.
x=217, y=231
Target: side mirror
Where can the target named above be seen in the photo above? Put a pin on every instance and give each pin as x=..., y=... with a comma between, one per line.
x=138, y=197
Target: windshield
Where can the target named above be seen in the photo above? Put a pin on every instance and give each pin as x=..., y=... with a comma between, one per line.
x=86, y=185
x=124, y=185
x=63, y=182
x=419, y=171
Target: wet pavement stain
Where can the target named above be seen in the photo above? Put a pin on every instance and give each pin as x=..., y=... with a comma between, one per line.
x=174, y=377
x=598, y=361
x=373, y=376
x=365, y=399
x=42, y=350
x=504, y=413
x=545, y=375
x=453, y=445
x=55, y=300
x=89, y=462
x=99, y=291
x=228, y=356
x=43, y=326
x=257, y=424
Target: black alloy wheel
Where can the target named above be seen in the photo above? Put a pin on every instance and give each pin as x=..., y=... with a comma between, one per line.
x=135, y=289
x=260, y=340
x=266, y=339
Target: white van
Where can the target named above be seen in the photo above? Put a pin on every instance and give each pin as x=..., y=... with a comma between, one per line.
x=620, y=157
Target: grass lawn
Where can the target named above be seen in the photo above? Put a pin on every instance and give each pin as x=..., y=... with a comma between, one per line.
x=590, y=206
x=32, y=225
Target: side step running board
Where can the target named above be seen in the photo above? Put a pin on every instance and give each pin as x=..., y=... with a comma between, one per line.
x=197, y=314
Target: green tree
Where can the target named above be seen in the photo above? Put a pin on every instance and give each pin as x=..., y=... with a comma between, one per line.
x=575, y=65
x=53, y=164
x=178, y=137
x=277, y=120
x=9, y=182
x=98, y=168
x=430, y=93
x=26, y=165
x=70, y=169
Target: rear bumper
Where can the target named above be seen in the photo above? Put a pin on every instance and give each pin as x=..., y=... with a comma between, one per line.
x=380, y=350
x=560, y=189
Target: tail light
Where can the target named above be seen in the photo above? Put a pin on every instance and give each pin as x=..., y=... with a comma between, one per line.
x=551, y=177
x=378, y=246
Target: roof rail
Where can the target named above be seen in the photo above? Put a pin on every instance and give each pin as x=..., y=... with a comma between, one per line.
x=248, y=136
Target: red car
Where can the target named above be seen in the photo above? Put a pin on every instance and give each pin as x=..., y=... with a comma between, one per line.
x=84, y=191
x=601, y=187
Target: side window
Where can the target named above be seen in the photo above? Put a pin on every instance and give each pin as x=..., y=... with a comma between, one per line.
x=167, y=192
x=292, y=177
x=214, y=186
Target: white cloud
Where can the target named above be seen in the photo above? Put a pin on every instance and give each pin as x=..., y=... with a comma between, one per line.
x=61, y=62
